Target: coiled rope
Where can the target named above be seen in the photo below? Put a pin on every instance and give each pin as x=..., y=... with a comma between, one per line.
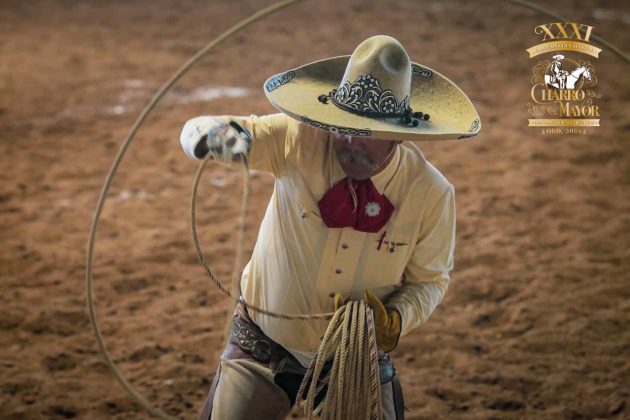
x=354, y=391
x=113, y=169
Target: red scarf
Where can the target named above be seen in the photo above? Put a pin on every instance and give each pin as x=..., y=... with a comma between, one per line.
x=355, y=204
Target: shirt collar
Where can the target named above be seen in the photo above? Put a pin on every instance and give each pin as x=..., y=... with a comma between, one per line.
x=381, y=179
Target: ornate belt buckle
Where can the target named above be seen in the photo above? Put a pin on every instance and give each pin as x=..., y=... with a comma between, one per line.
x=253, y=342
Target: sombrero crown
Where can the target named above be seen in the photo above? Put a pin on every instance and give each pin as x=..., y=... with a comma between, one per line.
x=377, y=91
x=377, y=80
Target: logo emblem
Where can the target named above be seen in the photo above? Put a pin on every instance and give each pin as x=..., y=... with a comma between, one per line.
x=563, y=94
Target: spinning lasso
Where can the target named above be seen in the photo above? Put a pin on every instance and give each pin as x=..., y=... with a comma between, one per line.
x=121, y=153
x=110, y=176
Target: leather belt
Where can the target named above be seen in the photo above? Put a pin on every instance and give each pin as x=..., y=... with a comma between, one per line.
x=252, y=341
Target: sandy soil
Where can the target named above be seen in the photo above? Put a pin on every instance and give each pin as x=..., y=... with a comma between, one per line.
x=536, y=323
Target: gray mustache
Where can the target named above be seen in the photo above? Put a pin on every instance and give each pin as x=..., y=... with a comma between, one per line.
x=346, y=156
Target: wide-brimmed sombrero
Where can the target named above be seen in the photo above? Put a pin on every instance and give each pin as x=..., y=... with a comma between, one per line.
x=378, y=92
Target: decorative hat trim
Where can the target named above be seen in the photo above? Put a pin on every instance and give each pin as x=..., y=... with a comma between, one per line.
x=336, y=129
x=365, y=97
x=279, y=80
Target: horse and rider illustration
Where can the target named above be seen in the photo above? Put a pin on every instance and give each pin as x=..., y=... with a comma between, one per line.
x=562, y=79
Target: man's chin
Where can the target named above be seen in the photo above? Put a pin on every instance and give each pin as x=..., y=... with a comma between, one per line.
x=356, y=172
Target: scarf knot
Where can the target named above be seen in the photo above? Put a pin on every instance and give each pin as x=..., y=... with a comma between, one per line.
x=356, y=204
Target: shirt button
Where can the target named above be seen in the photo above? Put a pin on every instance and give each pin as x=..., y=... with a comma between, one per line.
x=344, y=246
x=302, y=214
x=338, y=271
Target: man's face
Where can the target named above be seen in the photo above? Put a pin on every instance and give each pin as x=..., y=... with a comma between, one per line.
x=362, y=157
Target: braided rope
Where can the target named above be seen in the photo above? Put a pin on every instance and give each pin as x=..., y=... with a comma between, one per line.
x=354, y=391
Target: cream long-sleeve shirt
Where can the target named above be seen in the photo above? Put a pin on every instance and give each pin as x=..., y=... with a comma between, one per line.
x=298, y=263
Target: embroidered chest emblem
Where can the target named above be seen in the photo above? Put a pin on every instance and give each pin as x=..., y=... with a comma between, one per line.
x=372, y=209
x=389, y=245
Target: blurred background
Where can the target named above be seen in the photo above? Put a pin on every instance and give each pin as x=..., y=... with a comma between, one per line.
x=536, y=322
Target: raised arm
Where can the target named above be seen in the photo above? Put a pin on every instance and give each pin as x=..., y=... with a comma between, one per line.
x=228, y=137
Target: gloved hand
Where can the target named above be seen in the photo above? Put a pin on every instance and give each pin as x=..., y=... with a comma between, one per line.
x=339, y=301
x=387, y=322
x=224, y=141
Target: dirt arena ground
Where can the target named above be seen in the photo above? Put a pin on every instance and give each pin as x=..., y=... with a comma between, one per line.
x=536, y=323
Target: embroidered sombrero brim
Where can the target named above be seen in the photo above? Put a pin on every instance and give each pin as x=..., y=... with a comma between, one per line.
x=296, y=92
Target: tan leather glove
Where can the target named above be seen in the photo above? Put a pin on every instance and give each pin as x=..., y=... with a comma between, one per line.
x=387, y=322
x=340, y=301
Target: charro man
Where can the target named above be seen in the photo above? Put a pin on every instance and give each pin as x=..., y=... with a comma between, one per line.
x=558, y=75
x=357, y=212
